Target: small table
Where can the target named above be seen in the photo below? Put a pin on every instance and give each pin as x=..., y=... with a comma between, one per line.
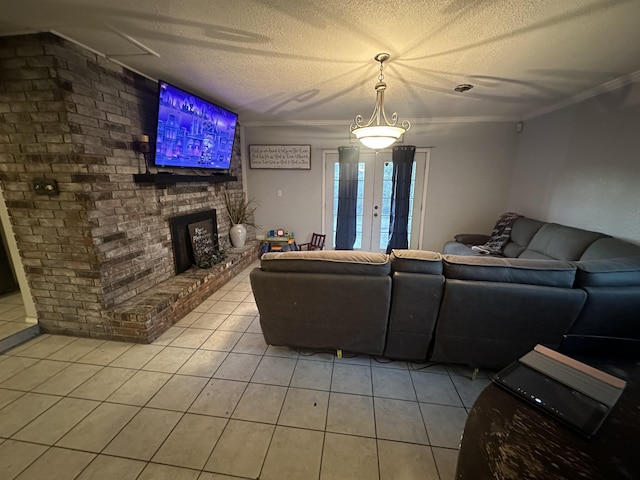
x=276, y=244
x=506, y=438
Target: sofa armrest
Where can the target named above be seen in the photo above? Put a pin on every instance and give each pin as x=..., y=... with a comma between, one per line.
x=490, y=324
x=456, y=248
x=612, y=272
x=416, y=261
x=327, y=261
x=472, y=238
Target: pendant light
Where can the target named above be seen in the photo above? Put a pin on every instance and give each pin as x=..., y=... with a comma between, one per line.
x=376, y=135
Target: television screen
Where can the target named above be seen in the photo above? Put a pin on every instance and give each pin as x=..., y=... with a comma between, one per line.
x=192, y=132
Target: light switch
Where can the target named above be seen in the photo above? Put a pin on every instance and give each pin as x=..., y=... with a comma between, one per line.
x=279, y=193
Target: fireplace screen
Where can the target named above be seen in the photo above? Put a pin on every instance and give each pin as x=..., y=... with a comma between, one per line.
x=198, y=229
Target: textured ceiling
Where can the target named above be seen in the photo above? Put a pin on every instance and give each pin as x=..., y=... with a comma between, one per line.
x=277, y=61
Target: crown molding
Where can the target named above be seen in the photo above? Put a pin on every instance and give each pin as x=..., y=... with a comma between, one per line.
x=587, y=94
x=414, y=121
x=101, y=54
x=19, y=32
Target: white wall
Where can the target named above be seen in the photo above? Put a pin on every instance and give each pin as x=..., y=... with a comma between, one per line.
x=580, y=166
x=470, y=171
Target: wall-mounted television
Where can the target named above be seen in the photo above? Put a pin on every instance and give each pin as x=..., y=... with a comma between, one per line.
x=192, y=132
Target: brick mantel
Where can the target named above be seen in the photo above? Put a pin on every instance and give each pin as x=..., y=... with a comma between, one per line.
x=70, y=115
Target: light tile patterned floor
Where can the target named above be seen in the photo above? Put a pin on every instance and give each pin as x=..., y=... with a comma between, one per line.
x=12, y=314
x=210, y=400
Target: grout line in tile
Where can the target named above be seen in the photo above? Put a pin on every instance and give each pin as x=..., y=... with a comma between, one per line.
x=375, y=422
x=262, y=356
x=270, y=441
x=433, y=454
x=458, y=393
x=424, y=423
x=49, y=447
x=286, y=393
x=377, y=446
x=37, y=416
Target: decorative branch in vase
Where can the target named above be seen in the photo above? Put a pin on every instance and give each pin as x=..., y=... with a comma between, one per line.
x=240, y=210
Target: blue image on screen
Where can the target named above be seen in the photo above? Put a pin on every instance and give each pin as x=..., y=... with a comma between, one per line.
x=192, y=132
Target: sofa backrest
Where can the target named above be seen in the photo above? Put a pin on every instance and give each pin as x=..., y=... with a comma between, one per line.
x=547, y=273
x=418, y=284
x=327, y=261
x=522, y=232
x=559, y=242
x=609, y=247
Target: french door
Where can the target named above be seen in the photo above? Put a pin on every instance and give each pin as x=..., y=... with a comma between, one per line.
x=375, y=186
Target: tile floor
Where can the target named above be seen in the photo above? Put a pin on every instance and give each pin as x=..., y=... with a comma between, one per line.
x=210, y=400
x=12, y=315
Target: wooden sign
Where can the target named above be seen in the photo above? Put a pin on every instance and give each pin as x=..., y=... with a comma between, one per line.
x=280, y=156
x=202, y=242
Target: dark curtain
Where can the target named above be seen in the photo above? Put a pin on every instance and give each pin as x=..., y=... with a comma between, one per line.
x=347, y=197
x=399, y=220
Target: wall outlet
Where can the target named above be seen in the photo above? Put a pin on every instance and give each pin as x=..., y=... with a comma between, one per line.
x=45, y=187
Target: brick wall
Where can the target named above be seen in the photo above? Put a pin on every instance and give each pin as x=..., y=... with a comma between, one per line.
x=69, y=115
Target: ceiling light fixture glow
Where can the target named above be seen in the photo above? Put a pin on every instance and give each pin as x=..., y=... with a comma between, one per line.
x=384, y=135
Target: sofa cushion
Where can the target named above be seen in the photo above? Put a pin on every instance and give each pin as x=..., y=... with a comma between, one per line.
x=559, y=242
x=609, y=247
x=522, y=232
x=327, y=261
x=611, y=272
x=550, y=273
x=416, y=261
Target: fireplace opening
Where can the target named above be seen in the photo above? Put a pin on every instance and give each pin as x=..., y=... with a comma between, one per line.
x=181, y=237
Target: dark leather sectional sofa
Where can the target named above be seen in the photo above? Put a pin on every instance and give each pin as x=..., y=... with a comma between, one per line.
x=483, y=311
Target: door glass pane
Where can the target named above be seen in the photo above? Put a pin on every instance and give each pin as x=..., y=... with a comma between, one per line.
x=360, y=207
x=385, y=204
x=359, y=203
x=334, y=216
x=373, y=205
x=411, y=197
x=387, y=190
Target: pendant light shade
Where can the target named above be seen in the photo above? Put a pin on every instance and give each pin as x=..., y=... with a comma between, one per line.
x=373, y=134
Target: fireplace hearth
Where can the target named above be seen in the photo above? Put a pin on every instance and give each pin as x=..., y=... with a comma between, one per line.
x=181, y=241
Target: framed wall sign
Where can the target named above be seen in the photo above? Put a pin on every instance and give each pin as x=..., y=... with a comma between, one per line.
x=280, y=156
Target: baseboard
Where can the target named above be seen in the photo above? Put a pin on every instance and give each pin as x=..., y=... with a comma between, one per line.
x=19, y=337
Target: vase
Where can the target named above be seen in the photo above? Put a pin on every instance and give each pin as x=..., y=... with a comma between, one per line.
x=238, y=234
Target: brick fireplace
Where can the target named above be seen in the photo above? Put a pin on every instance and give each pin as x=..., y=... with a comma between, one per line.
x=96, y=253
